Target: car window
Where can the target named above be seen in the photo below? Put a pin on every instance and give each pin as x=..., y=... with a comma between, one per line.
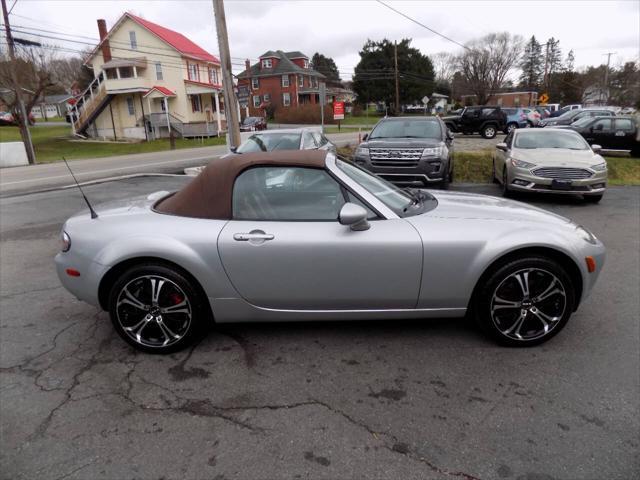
x=603, y=124
x=624, y=124
x=308, y=142
x=487, y=112
x=510, y=111
x=582, y=122
x=266, y=142
x=407, y=128
x=286, y=194
x=371, y=215
x=319, y=139
x=550, y=139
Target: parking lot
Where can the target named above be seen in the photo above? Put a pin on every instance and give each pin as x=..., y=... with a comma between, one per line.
x=393, y=399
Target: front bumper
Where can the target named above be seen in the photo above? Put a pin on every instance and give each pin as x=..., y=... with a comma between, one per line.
x=84, y=287
x=428, y=170
x=524, y=180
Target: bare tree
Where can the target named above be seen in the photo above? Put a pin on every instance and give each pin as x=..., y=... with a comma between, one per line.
x=486, y=62
x=444, y=66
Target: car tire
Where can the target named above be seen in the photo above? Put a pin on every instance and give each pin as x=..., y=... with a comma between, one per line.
x=171, y=321
x=489, y=131
x=506, y=192
x=446, y=180
x=510, y=128
x=494, y=178
x=530, y=124
x=532, y=293
x=593, y=198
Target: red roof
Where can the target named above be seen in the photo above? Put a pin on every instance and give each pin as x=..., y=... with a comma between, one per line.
x=176, y=40
x=163, y=90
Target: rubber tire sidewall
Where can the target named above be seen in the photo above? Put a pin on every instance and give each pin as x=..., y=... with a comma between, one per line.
x=482, y=298
x=484, y=129
x=198, y=310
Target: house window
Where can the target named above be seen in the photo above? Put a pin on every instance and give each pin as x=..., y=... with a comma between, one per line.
x=306, y=64
x=213, y=76
x=158, y=71
x=193, y=72
x=314, y=80
x=256, y=101
x=286, y=99
x=255, y=83
x=267, y=97
x=130, y=106
x=163, y=105
x=133, y=41
x=267, y=63
x=301, y=81
x=196, y=106
x=285, y=80
x=126, y=72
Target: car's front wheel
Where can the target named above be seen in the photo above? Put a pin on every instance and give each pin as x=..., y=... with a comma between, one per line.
x=525, y=302
x=157, y=309
x=506, y=191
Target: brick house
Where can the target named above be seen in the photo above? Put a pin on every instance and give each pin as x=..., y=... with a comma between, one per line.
x=149, y=80
x=281, y=79
x=505, y=99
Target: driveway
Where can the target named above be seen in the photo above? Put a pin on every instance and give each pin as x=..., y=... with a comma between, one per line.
x=397, y=400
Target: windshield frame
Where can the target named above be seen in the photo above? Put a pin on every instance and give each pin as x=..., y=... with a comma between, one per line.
x=265, y=134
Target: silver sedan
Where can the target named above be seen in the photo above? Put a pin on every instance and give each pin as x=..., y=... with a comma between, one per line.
x=306, y=236
x=550, y=161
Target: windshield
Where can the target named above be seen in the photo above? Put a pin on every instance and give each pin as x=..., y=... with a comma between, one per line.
x=569, y=115
x=266, y=142
x=403, y=202
x=582, y=122
x=407, y=128
x=549, y=139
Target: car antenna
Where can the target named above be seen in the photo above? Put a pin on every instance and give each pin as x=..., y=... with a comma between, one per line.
x=93, y=212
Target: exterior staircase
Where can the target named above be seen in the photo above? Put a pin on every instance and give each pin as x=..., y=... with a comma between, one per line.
x=184, y=130
x=90, y=104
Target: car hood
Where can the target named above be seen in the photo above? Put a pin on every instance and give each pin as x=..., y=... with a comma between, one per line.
x=402, y=143
x=484, y=207
x=558, y=157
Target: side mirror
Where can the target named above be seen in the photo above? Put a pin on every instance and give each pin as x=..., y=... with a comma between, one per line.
x=355, y=216
x=596, y=148
x=502, y=146
x=365, y=136
x=233, y=149
x=450, y=134
x=599, y=127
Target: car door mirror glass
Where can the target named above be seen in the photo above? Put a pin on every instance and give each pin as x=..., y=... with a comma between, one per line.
x=355, y=216
x=365, y=136
x=502, y=146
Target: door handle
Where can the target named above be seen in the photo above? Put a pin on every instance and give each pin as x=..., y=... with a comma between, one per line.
x=245, y=237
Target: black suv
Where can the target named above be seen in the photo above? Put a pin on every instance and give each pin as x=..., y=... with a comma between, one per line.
x=485, y=120
x=413, y=151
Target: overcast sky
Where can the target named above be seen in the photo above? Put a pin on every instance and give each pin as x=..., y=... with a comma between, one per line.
x=339, y=28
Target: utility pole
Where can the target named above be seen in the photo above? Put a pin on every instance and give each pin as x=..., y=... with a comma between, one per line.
x=22, y=120
x=395, y=61
x=605, y=87
x=230, y=100
x=546, y=68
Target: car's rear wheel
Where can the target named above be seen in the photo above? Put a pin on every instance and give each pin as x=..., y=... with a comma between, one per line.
x=157, y=309
x=593, y=198
x=525, y=302
x=489, y=131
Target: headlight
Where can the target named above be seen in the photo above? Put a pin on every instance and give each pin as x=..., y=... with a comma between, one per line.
x=432, y=152
x=362, y=151
x=586, y=235
x=65, y=240
x=599, y=167
x=521, y=164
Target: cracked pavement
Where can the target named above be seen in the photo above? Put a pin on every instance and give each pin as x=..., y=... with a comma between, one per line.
x=403, y=399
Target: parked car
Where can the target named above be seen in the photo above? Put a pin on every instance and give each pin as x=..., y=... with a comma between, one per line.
x=251, y=124
x=628, y=111
x=286, y=139
x=543, y=111
x=516, y=118
x=565, y=109
x=611, y=133
x=533, y=116
x=573, y=115
x=6, y=118
x=330, y=241
x=409, y=151
x=486, y=120
x=549, y=161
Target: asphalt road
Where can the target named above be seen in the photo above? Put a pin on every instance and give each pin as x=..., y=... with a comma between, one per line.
x=35, y=178
x=392, y=400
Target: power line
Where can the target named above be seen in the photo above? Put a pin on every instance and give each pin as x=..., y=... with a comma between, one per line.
x=422, y=25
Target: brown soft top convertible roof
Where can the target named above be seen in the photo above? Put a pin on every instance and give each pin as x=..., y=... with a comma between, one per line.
x=209, y=195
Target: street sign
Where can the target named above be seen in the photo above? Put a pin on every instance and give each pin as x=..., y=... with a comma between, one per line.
x=243, y=95
x=323, y=94
x=543, y=99
x=338, y=110
x=425, y=99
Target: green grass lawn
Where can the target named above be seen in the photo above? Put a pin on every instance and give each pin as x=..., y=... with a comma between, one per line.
x=51, y=143
x=371, y=119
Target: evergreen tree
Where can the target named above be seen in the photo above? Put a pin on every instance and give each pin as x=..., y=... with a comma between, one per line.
x=327, y=67
x=531, y=65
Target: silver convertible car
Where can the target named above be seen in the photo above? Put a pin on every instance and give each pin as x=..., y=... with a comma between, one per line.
x=306, y=236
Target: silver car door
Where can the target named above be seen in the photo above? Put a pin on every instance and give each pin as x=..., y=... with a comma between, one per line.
x=314, y=263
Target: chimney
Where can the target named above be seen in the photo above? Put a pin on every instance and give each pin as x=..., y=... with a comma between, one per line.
x=247, y=65
x=106, y=50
